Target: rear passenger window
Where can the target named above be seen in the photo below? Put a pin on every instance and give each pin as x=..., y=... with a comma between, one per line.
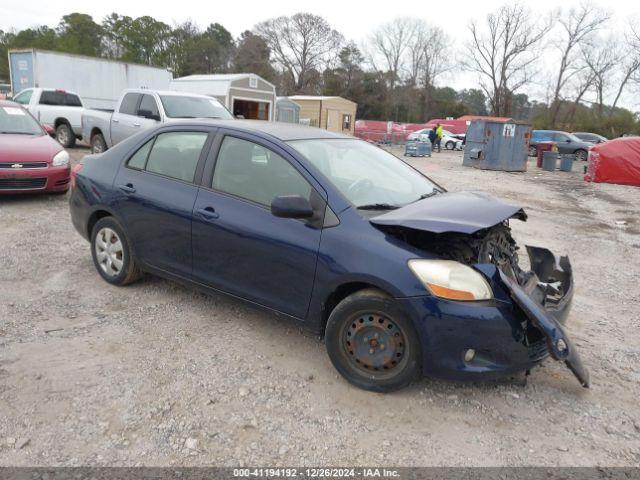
x=129, y=104
x=52, y=98
x=72, y=100
x=139, y=159
x=176, y=154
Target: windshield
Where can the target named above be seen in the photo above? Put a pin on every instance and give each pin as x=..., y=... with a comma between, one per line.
x=365, y=174
x=180, y=106
x=16, y=120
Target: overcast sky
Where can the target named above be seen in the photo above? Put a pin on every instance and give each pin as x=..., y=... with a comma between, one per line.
x=352, y=18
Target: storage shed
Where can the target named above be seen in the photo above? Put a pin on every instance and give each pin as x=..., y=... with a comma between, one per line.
x=497, y=145
x=287, y=111
x=336, y=114
x=244, y=94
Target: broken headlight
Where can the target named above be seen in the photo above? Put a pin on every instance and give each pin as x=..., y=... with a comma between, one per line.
x=451, y=280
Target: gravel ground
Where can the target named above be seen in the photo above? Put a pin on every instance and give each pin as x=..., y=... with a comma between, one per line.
x=156, y=374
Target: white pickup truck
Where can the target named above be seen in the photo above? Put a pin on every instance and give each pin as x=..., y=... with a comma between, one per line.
x=55, y=108
x=138, y=109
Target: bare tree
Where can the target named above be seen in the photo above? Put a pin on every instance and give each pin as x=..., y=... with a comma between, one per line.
x=577, y=26
x=630, y=64
x=504, y=54
x=389, y=43
x=302, y=45
x=602, y=57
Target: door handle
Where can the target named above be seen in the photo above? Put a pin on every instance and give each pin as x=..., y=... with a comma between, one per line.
x=208, y=213
x=136, y=124
x=128, y=188
x=115, y=120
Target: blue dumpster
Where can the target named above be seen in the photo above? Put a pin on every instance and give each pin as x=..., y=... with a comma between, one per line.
x=497, y=145
x=417, y=148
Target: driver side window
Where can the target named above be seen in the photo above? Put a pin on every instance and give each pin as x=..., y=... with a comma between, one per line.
x=255, y=173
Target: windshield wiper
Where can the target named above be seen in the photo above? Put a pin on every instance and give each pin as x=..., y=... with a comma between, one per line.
x=433, y=192
x=377, y=206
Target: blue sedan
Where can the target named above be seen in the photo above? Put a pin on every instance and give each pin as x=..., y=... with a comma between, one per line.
x=401, y=277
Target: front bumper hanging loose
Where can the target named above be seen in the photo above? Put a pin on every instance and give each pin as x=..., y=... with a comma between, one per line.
x=545, y=298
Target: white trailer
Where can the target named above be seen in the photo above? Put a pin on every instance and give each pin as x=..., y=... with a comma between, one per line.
x=98, y=81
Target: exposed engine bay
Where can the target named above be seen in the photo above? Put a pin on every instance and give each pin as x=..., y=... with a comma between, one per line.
x=490, y=245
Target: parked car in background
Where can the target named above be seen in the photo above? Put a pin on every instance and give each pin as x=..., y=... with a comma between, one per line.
x=30, y=160
x=139, y=109
x=566, y=143
x=401, y=277
x=449, y=140
x=590, y=137
x=56, y=108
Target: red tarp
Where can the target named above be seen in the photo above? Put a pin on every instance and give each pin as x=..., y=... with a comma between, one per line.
x=615, y=161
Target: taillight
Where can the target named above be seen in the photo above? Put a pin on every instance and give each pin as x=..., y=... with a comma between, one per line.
x=74, y=173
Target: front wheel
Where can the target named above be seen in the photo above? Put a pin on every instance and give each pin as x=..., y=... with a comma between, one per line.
x=65, y=135
x=112, y=254
x=449, y=146
x=372, y=343
x=533, y=151
x=581, y=155
x=98, y=143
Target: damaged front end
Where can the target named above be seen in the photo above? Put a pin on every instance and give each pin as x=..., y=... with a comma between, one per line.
x=541, y=291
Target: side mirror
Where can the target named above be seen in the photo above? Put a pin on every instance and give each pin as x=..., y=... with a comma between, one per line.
x=568, y=140
x=291, y=206
x=50, y=130
x=149, y=115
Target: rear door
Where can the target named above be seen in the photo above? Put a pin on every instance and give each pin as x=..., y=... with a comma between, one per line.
x=157, y=190
x=239, y=247
x=125, y=121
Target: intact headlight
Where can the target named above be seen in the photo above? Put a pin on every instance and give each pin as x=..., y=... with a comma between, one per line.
x=61, y=158
x=451, y=280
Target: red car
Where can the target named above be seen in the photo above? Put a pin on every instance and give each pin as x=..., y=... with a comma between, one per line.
x=30, y=160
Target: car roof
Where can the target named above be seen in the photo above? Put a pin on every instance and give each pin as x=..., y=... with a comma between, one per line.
x=166, y=92
x=280, y=130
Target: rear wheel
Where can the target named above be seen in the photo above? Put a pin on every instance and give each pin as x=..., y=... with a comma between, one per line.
x=372, y=343
x=98, y=143
x=112, y=254
x=65, y=135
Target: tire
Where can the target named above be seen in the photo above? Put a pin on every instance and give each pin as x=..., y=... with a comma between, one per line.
x=449, y=146
x=107, y=266
x=533, y=151
x=581, y=155
x=65, y=135
x=355, y=337
x=98, y=144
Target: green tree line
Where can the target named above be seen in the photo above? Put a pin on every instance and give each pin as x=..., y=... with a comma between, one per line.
x=302, y=53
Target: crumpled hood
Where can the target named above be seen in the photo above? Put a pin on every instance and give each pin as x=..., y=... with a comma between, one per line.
x=461, y=212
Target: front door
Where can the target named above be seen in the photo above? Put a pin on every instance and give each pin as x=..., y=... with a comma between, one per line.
x=239, y=247
x=156, y=196
x=125, y=117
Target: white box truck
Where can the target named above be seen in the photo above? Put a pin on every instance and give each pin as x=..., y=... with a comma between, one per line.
x=98, y=81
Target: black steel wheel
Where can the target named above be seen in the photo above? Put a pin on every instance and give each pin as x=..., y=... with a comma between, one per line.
x=533, y=151
x=372, y=343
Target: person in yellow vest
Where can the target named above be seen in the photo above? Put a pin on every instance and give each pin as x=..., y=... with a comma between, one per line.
x=438, y=136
